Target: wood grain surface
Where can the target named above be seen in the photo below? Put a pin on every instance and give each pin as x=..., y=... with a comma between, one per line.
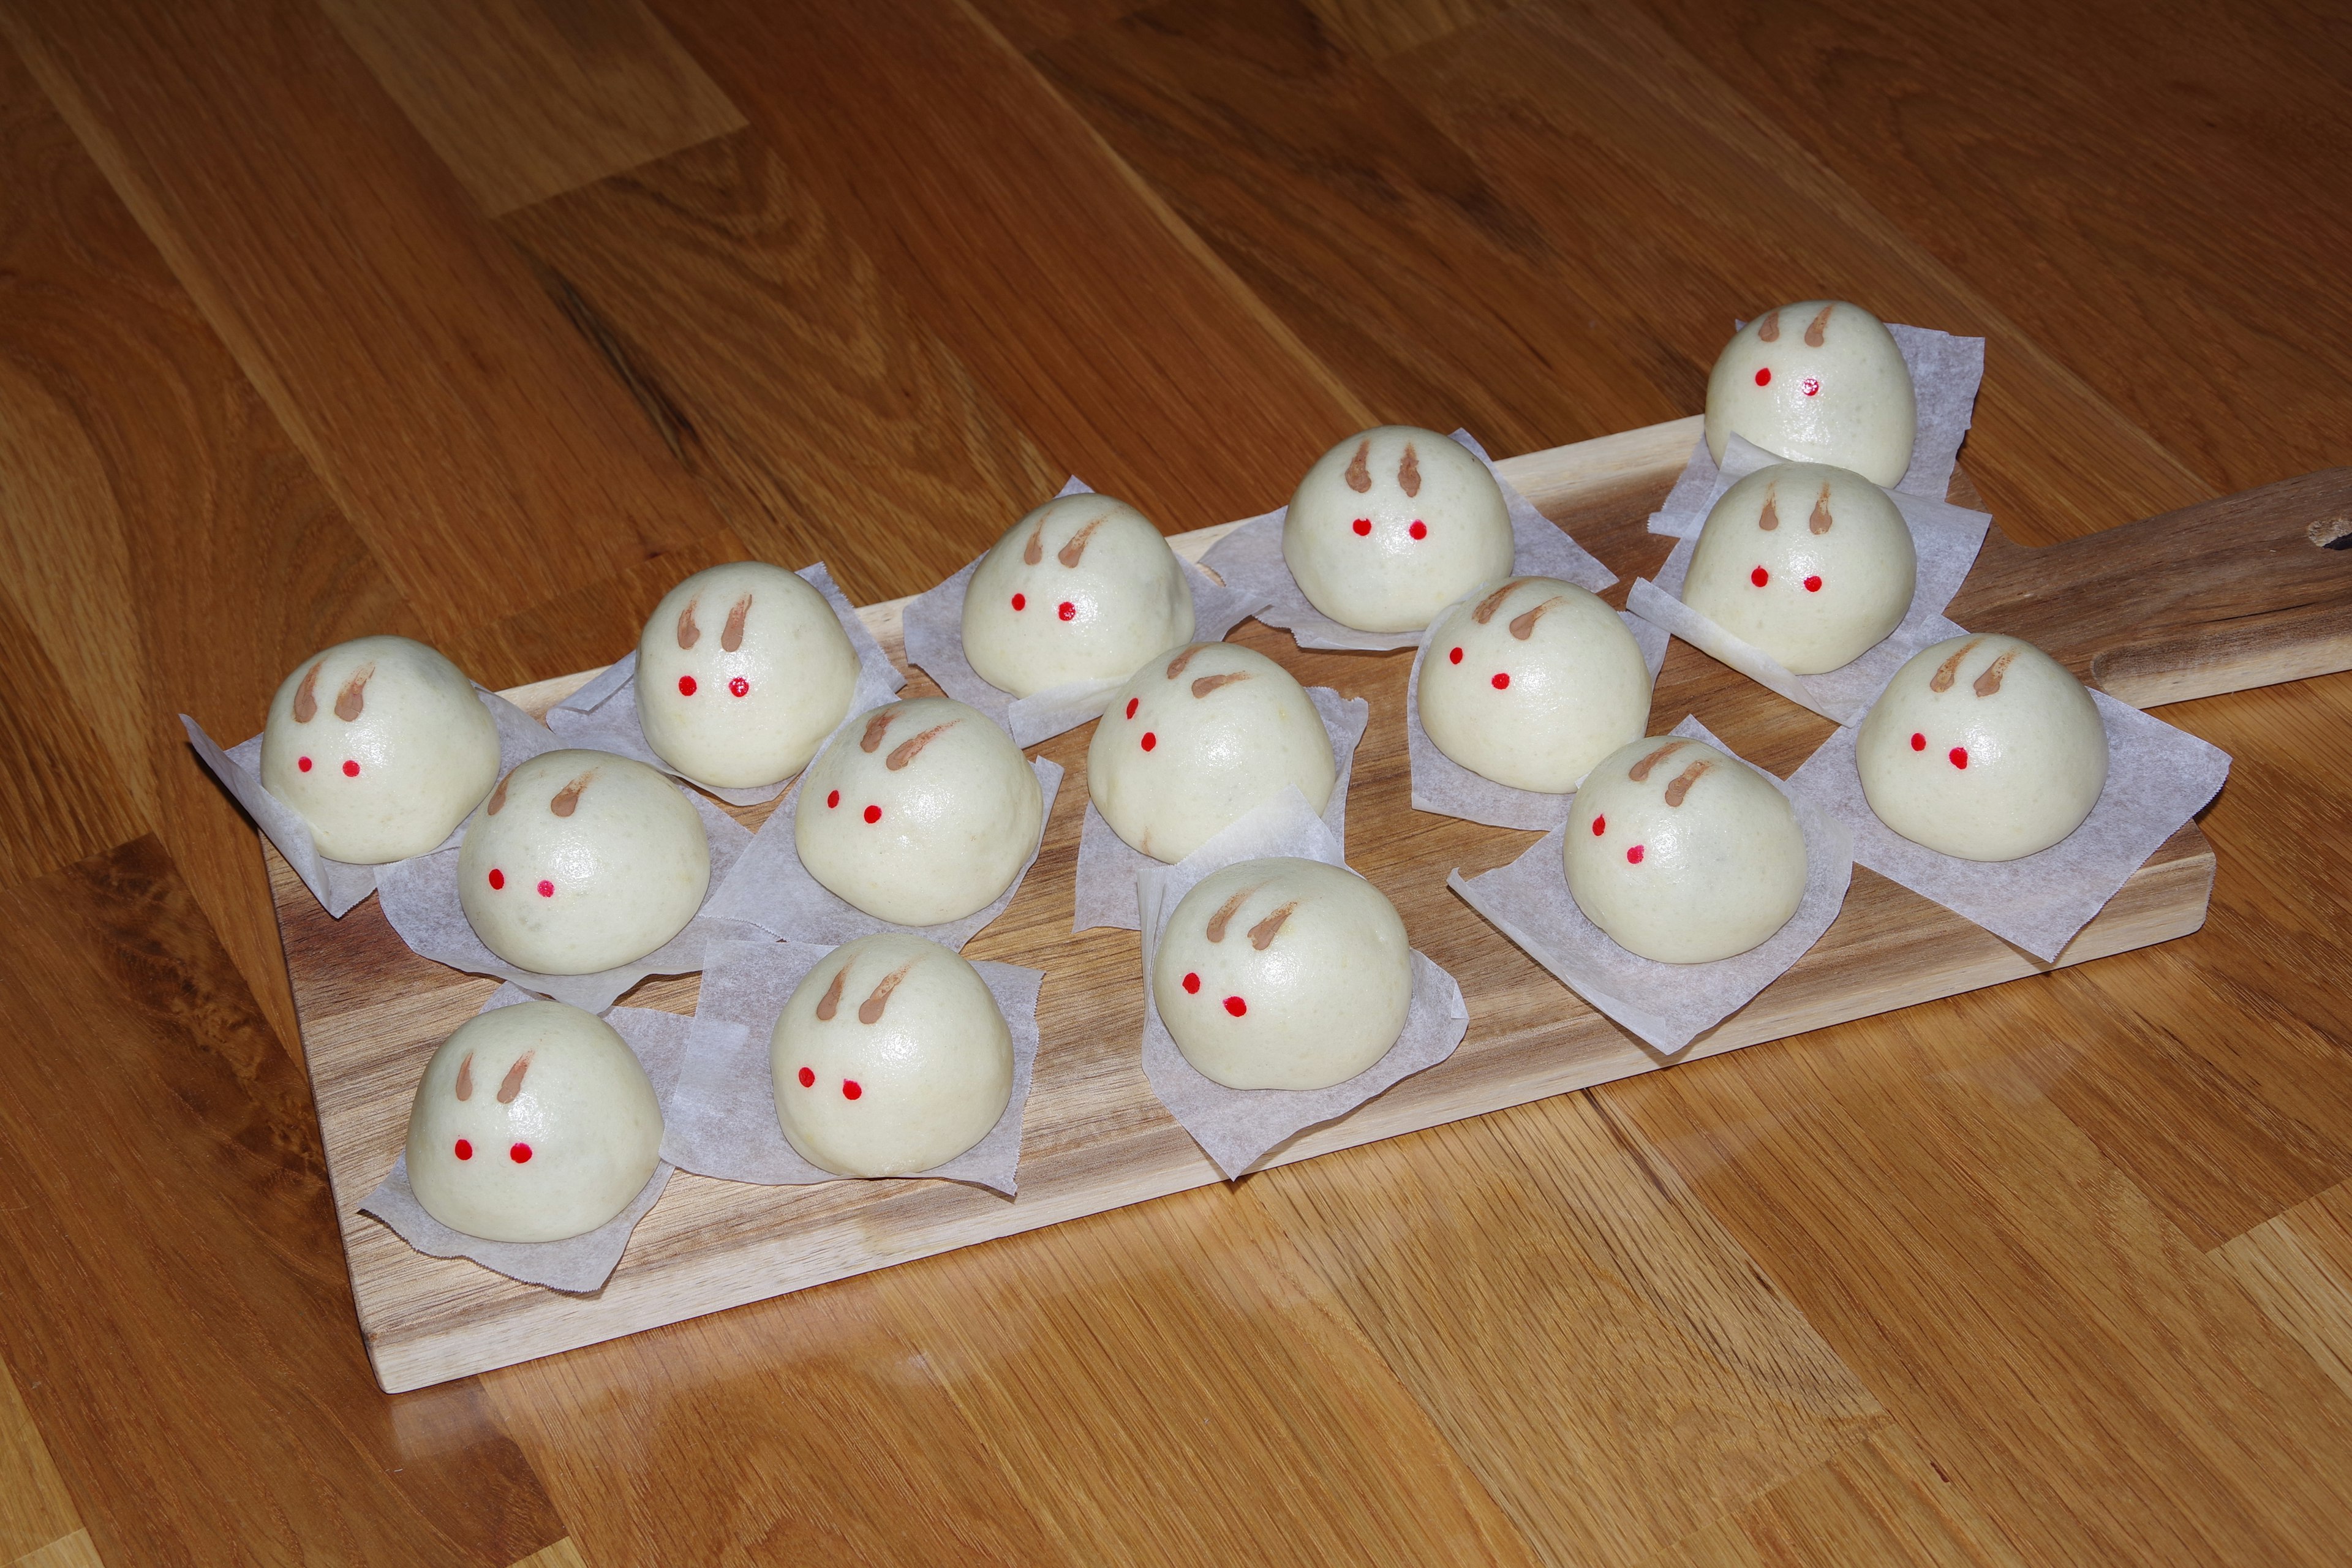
x=484, y=323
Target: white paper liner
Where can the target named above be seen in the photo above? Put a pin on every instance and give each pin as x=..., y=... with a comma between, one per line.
x=1250, y=557
x=340, y=886
x=1947, y=539
x=582, y=1263
x=1666, y=1005
x=1442, y=785
x=603, y=715
x=723, y=1119
x=1236, y=1127
x=935, y=641
x=420, y=900
x=1946, y=371
x=771, y=890
x=1108, y=865
x=2157, y=778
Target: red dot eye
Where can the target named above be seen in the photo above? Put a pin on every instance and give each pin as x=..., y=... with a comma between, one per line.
x=1068, y=611
x=872, y=813
x=1812, y=386
x=1191, y=985
x=1363, y=526
x=1759, y=576
x=1502, y=682
x=1019, y=600
x=1149, y=740
x=1236, y=1006
x=351, y=770
x=1959, y=756
x=546, y=889
x=1813, y=585
x=849, y=1089
x=1918, y=741
x=1600, y=826
x=686, y=686
x=739, y=687
x=303, y=763
x=1764, y=376
x=1132, y=704
x=465, y=1150
x=1634, y=855
x=1453, y=658
x=833, y=800
x=808, y=1078
x=1419, y=530
x=519, y=1154
x=497, y=880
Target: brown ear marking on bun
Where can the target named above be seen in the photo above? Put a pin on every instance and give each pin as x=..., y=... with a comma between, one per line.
x=1360, y=468
x=830, y=1002
x=499, y=795
x=306, y=696
x=1678, y=790
x=1494, y=601
x=466, y=1077
x=1821, y=522
x=353, y=697
x=1262, y=934
x=1949, y=670
x=1209, y=683
x=567, y=799
x=1523, y=625
x=1184, y=656
x=1769, y=330
x=1034, y=551
x=907, y=750
x=1640, y=772
x=689, y=633
x=1409, y=471
x=730, y=637
x=1814, y=329
x=1069, y=553
x=1226, y=911
x=871, y=741
x=1990, y=681
x=870, y=1010
x=512, y=1085
x=1770, y=517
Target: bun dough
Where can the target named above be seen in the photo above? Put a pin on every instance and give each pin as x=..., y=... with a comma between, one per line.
x=743, y=671
x=1283, y=973
x=1682, y=854
x=533, y=1122
x=1983, y=747
x=1817, y=382
x=1532, y=682
x=1393, y=524
x=890, y=1059
x=1197, y=740
x=382, y=746
x=581, y=861
x=1082, y=588
x=923, y=812
x=1811, y=563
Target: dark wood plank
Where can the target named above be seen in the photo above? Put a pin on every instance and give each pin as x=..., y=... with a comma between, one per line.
x=180, y=1322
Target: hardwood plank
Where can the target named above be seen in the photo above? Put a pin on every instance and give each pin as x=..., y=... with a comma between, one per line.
x=35, y=1507
x=1026, y=24
x=809, y=397
x=464, y=428
x=74, y=1550
x=524, y=101
x=1387, y=248
x=563, y=1555
x=2153, y=200
x=2297, y=1267
x=1081, y=303
x=2093, y=1384
x=1683, y=207
x=1379, y=28
x=180, y=1322
x=60, y=795
x=1656, y=1378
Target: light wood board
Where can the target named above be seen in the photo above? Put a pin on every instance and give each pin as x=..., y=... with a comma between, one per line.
x=1096, y=1138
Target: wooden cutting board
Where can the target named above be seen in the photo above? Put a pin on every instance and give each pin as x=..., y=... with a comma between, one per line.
x=2236, y=592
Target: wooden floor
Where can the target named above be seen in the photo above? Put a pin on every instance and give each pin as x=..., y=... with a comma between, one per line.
x=485, y=321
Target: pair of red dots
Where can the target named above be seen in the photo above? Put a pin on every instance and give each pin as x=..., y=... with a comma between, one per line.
x=1760, y=577
x=1419, y=530
x=1502, y=681
x=1601, y=825
x=519, y=1154
x=872, y=813
x=1811, y=386
x=498, y=884
x=1066, y=610
x=1958, y=755
x=849, y=1086
x=351, y=770
x=1233, y=1005
x=1151, y=740
x=739, y=685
